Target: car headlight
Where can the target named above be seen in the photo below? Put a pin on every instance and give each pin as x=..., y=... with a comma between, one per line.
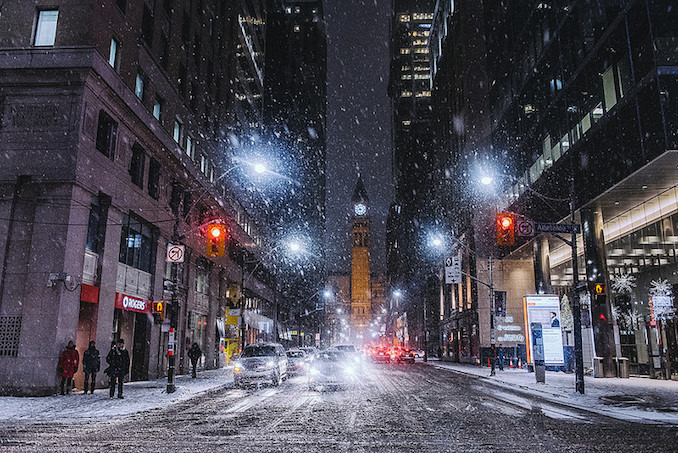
x=349, y=370
x=356, y=359
x=314, y=371
x=237, y=367
x=270, y=364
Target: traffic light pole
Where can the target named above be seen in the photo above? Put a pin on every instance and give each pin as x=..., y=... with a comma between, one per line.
x=174, y=319
x=576, y=306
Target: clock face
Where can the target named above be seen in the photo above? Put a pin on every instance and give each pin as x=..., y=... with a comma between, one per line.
x=360, y=209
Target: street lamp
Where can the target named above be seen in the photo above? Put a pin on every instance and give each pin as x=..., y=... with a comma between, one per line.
x=576, y=306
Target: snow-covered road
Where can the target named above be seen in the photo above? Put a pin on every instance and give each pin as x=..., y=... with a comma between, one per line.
x=395, y=408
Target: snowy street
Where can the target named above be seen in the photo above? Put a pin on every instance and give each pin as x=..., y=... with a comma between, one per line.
x=420, y=407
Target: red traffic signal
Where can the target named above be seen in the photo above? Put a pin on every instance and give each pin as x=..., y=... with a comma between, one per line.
x=506, y=233
x=216, y=239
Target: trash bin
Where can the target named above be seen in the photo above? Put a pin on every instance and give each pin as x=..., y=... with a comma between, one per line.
x=598, y=367
x=622, y=367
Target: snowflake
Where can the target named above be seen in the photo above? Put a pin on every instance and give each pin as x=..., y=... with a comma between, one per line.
x=624, y=283
x=661, y=288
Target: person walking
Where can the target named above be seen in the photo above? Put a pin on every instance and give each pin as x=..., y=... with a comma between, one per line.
x=501, y=358
x=194, y=354
x=118, y=367
x=68, y=365
x=91, y=362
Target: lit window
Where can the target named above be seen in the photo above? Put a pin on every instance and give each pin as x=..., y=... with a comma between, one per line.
x=421, y=50
x=404, y=18
x=203, y=164
x=405, y=68
x=45, y=32
x=157, y=108
x=422, y=16
x=406, y=77
x=404, y=51
x=423, y=94
x=405, y=94
x=407, y=122
x=113, y=55
x=139, y=86
x=296, y=29
x=178, y=130
x=421, y=76
x=189, y=146
x=288, y=10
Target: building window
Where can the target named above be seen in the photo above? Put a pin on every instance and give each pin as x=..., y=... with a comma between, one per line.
x=147, y=26
x=154, y=178
x=157, y=108
x=202, y=280
x=404, y=18
x=107, y=131
x=96, y=226
x=404, y=51
x=136, y=244
x=139, y=86
x=190, y=146
x=203, y=164
x=136, y=167
x=113, y=55
x=405, y=94
x=178, y=130
x=296, y=29
x=45, y=31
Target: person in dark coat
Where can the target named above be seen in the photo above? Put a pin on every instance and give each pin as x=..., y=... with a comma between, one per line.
x=68, y=365
x=90, y=365
x=118, y=366
x=194, y=354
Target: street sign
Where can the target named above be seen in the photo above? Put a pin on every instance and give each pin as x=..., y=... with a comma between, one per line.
x=452, y=270
x=175, y=253
x=557, y=228
x=525, y=228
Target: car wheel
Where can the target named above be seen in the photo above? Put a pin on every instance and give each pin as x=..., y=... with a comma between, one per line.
x=276, y=379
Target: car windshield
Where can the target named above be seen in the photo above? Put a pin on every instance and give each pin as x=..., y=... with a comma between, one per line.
x=331, y=356
x=295, y=354
x=346, y=348
x=259, y=351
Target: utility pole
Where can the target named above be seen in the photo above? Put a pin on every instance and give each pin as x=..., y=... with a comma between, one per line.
x=492, y=341
x=242, y=300
x=576, y=307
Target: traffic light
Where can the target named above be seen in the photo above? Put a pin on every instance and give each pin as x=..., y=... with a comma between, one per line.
x=216, y=239
x=506, y=234
x=599, y=289
x=159, y=310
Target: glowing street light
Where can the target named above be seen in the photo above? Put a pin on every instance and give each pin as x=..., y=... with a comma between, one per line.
x=486, y=180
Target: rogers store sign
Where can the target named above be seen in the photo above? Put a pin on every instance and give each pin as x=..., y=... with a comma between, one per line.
x=125, y=302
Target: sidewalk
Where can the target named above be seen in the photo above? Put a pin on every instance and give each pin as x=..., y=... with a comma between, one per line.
x=637, y=399
x=139, y=396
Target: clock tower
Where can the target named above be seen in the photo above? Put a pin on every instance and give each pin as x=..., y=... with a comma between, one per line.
x=361, y=299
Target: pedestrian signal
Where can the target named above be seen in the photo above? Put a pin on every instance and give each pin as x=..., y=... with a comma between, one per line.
x=159, y=309
x=506, y=234
x=216, y=239
x=599, y=289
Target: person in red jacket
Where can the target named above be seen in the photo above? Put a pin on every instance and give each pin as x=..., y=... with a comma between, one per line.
x=68, y=365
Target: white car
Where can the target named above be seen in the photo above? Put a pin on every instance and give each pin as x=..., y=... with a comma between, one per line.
x=262, y=362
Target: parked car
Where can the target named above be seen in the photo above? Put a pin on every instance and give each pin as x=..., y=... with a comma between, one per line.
x=332, y=369
x=262, y=362
x=296, y=362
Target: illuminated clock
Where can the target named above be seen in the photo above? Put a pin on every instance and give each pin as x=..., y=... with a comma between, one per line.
x=360, y=209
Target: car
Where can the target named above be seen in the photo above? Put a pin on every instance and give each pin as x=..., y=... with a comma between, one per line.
x=380, y=354
x=403, y=355
x=332, y=369
x=296, y=361
x=310, y=352
x=261, y=362
x=351, y=352
x=418, y=353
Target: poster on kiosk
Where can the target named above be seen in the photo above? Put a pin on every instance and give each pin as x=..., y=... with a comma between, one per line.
x=545, y=309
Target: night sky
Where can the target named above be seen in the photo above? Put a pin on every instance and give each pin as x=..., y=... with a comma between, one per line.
x=358, y=123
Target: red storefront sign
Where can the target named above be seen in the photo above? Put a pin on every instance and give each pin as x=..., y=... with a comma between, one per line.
x=89, y=293
x=125, y=302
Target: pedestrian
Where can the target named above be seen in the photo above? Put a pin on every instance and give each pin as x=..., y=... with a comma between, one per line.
x=194, y=354
x=91, y=362
x=493, y=352
x=501, y=358
x=68, y=365
x=118, y=367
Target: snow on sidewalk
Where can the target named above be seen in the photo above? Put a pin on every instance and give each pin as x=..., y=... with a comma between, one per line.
x=138, y=397
x=636, y=399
